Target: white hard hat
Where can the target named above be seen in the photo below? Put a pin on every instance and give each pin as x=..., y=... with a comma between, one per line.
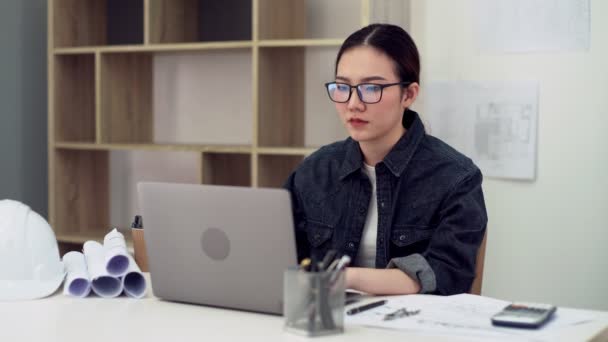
x=30, y=266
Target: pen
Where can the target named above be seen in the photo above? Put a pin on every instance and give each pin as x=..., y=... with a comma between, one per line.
x=304, y=264
x=400, y=313
x=332, y=266
x=314, y=264
x=137, y=224
x=329, y=256
x=344, y=261
x=338, y=264
x=335, y=272
x=365, y=307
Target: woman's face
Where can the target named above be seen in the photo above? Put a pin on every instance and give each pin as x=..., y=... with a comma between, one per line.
x=377, y=122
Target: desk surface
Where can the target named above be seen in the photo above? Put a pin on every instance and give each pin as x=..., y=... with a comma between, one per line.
x=62, y=318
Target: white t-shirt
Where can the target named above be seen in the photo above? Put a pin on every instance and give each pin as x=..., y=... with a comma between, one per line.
x=366, y=257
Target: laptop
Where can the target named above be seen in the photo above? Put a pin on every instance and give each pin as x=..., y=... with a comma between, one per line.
x=222, y=246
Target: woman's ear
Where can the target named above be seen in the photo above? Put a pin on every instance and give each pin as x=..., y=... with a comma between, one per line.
x=410, y=94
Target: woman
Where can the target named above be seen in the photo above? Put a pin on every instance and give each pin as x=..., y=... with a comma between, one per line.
x=406, y=207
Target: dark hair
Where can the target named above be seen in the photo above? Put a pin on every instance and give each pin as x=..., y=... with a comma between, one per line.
x=391, y=40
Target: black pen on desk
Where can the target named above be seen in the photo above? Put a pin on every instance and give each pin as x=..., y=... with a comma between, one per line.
x=366, y=307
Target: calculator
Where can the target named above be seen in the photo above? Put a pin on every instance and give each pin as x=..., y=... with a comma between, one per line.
x=524, y=315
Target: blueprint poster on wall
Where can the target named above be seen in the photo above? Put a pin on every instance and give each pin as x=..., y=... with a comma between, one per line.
x=493, y=123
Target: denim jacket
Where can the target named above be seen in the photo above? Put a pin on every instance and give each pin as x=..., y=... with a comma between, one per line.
x=431, y=210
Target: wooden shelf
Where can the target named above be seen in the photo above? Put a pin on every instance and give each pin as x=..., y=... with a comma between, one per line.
x=201, y=46
x=177, y=21
x=125, y=98
x=310, y=19
x=281, y=97
x=273, y=170
x=293, y=107
x=152, y=147
x=281, y=151
x=175, y=47
x=193, y=91
x=96, y=22
x=286, y=151
x=226, y=169
x=81, y=191
x=74, y=105
x=299, y=42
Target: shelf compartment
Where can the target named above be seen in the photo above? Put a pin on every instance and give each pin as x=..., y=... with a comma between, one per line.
x=95, y=23
x=273, y=170
x=127, y=168
x=226, y=169
x=203, y=98
x=306, y=19
x=80, y=197
x=281, y=97
x=74, y=98
x=181, y=21
x=126, y=92
x=294, y=110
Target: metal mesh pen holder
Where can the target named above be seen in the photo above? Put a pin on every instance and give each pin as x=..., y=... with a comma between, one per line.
x=313, y=302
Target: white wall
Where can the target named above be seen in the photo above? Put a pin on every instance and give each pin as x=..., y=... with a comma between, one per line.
x=548, y=239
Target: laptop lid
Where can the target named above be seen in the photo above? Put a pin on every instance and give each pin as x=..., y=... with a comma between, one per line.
x=218, y=245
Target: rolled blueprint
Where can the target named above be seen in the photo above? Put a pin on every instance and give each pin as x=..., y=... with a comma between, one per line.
x=102, y=283
x=116, y=254
x=134, y=282
x=78, y=280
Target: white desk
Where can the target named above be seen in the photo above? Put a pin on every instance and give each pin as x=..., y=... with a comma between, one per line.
x=65, y=319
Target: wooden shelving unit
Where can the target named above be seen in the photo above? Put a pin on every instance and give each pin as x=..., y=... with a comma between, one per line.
x=233, y=86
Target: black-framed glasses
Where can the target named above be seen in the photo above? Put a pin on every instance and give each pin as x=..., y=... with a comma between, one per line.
x=368, y=92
